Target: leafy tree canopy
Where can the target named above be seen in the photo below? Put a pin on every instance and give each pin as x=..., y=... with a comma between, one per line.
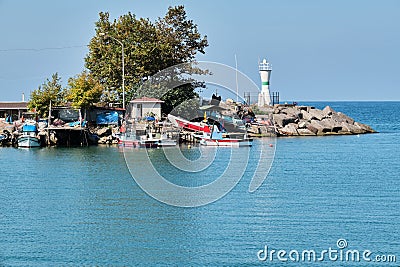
x=83, y=90
x=51, y=90
x=149, y=47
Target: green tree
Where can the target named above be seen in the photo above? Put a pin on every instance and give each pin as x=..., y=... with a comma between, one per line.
x=149, y=47
x=51, y=90
x=83, y=90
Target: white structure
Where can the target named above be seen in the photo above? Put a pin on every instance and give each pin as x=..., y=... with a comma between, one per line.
x=145, y=106
x=264, y=97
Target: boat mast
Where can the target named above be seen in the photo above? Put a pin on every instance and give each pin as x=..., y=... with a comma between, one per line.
x=237, y=86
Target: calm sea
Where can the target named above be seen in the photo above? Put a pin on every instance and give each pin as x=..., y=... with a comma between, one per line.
x=81, y=207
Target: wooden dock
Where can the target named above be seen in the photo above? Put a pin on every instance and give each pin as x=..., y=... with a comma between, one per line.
x=67, y=136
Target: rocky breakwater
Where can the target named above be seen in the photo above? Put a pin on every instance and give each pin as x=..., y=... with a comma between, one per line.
x=290, y=120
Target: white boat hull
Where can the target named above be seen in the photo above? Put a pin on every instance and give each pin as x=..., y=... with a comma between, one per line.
x=227, y=142
x=28, y=141
x=166, y=142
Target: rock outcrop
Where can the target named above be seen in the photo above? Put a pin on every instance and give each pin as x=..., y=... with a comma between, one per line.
x=106, y=134
x=292, y=120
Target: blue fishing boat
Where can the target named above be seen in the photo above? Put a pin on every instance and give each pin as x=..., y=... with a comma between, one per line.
x=29, y=137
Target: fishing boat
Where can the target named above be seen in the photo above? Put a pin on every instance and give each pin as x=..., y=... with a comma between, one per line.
x=127, y=137
x=126, y=141
x=217, y=138
x=166, y=141
x=226, y=142
x=148, y=140
x=153, y=140
x=29, y=137
x=189, y=125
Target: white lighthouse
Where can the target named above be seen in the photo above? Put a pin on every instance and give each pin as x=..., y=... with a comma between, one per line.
x=265, y=73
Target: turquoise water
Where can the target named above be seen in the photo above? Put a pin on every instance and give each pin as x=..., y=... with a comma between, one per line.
x=80, y=206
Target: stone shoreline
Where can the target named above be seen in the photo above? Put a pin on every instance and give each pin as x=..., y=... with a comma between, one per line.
x=291, y=120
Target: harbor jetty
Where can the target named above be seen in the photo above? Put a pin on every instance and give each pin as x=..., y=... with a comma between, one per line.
x=293, y=120
x=280, y=120
x=108, y=123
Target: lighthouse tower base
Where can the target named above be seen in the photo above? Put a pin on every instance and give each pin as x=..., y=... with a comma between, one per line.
x=264, y=99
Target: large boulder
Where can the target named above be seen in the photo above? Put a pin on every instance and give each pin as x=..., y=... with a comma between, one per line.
x=303, y=124
x=317, y=113
x=277, y=109
x=288, y=120
x=289, y=130
x=332, y=124
x=309, y=108
x=300, y=108
x=320, y=126
x=328, y=111
x=306, y=132
x=365, y=127
x=105, y=131
x=312, y=129
x=278, y=119
x=281, y=120
x=292, y=112
x=307, y=116
x=352, y=128
x=340, y=117
x=313, y=114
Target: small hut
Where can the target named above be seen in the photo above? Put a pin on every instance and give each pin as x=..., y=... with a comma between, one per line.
x=142, y=107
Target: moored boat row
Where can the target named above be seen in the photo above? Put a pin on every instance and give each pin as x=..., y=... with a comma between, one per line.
x=211, y=135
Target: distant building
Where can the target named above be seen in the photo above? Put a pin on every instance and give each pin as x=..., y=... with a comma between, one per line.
x=142, y=107
x=14, y=109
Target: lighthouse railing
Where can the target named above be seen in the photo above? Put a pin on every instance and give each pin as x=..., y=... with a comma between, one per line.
x=264, y=66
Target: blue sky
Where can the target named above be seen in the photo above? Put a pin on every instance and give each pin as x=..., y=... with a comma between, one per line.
x=319, y=50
